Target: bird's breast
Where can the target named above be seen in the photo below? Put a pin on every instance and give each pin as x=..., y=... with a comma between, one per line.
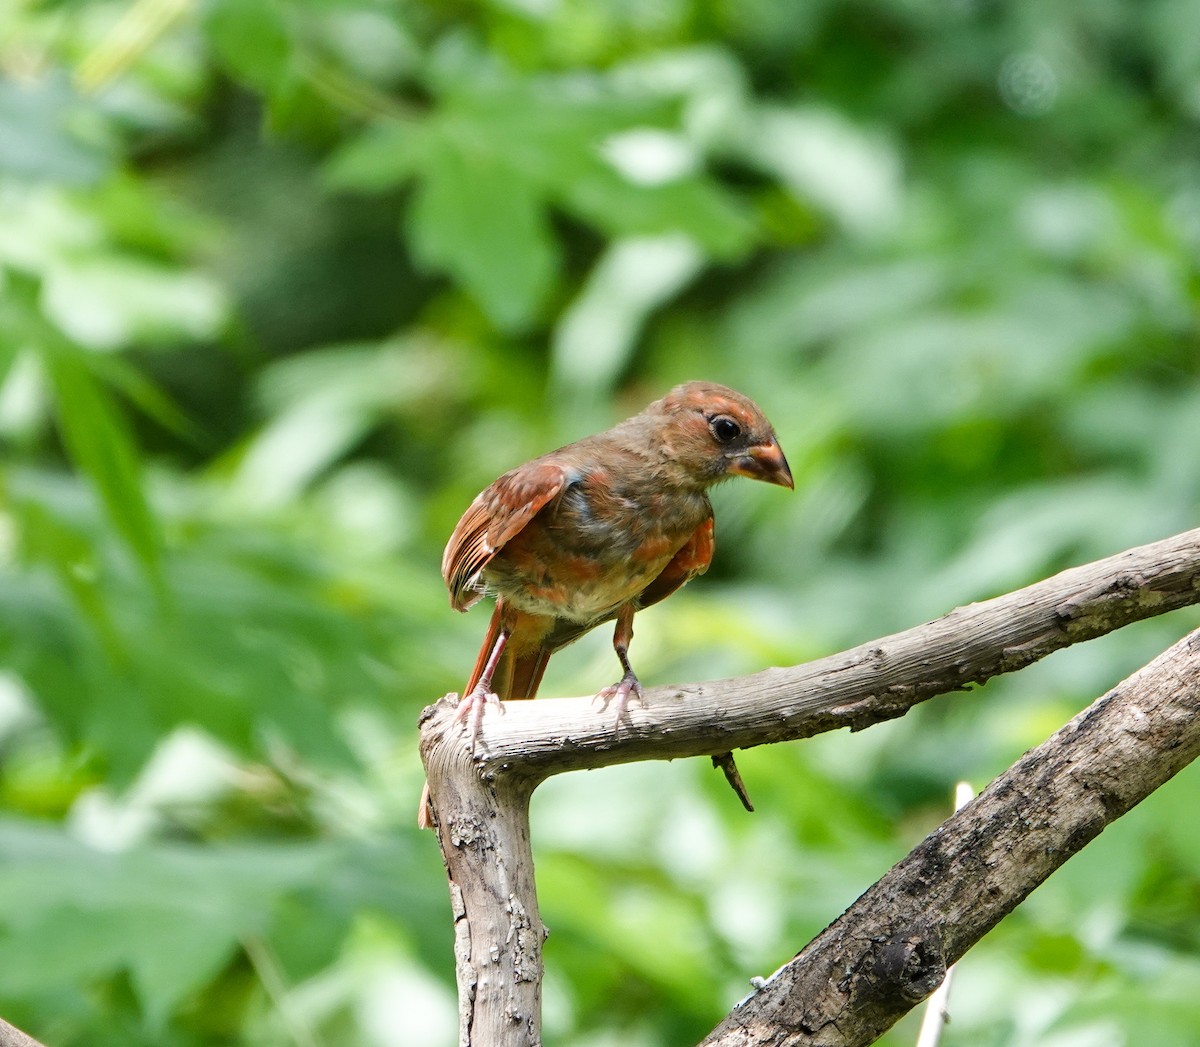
x=594, y=548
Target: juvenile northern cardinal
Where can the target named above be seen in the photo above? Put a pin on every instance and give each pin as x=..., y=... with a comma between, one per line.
x=594, y=532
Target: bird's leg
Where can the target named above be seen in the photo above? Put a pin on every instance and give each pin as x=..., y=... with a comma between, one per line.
x=618, y=694
x=471, y=705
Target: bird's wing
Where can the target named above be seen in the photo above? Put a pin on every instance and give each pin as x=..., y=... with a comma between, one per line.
x=692, y=559
x=496, y=517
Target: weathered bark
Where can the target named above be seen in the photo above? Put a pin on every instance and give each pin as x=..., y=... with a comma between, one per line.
x=891, y=948
x=876, y=681
x=498, y=933
x=482, y=802
x=11, y=1036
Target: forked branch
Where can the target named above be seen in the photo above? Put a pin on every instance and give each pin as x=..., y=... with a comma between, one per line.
x=890, y=949
x=482, y=803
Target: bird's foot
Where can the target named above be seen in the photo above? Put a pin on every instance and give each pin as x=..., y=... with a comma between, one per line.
x=470, y=711
x=616, y=696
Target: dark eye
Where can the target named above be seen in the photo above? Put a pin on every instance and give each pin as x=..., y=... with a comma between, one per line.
x=724, y=429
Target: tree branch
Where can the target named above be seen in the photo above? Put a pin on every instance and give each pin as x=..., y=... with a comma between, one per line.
x=876, y=681
x=891, y=948
x=483, y=809
x=498, y=933
x=11, y=1036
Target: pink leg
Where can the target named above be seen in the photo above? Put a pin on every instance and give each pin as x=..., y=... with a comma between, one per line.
x=471, y=706
x=618, y=693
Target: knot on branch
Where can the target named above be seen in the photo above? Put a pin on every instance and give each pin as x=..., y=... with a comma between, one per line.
x=445, y=704
x=907, y=966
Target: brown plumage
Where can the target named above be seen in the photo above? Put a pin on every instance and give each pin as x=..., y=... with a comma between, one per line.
x=595, y=531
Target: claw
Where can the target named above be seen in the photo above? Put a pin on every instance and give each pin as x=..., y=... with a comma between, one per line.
x=618, y=694
x=470, y=711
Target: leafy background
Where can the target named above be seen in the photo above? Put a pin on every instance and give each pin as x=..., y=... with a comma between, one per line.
x=283, y=283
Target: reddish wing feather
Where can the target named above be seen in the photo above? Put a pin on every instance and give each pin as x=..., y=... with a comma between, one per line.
x=495, y=517
x=692, y=559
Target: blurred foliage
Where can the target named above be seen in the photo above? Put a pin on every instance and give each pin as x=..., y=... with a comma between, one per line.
x=283, y=283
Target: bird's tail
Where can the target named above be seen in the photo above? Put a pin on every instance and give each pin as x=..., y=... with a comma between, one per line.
x=531, y=641
x=518, y=673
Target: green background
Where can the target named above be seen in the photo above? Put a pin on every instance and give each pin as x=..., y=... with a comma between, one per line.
x=283, y=283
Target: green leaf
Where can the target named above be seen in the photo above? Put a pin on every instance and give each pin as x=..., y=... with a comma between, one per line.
x=485, y=224
x=381, y=158
x=169, y=953
x=98, y=440
x=71, y=556
x=172, y=914
x=38, y=118
x=111, y=301
x=694, y=206
x=146, y=395
x=598, y=332
x=252, y=40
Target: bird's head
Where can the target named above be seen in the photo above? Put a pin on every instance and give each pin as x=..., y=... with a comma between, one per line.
x=714, y=432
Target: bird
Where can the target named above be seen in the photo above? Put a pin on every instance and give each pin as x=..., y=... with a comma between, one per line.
x=594, y=532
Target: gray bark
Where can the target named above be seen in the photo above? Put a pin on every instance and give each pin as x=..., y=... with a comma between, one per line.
x=891, y=948
x=11, y=1036
x=482, y=801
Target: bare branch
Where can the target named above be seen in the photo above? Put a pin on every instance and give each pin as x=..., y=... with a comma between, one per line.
x=937, y=1007
x=11, y=1036
x=892, y=946
x=482, y=801
x=876, y=681
x=498, y=932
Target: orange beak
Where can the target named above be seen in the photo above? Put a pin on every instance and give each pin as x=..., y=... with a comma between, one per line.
x=764, y=462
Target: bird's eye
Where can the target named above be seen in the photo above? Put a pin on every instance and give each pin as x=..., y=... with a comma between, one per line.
x=724, y=429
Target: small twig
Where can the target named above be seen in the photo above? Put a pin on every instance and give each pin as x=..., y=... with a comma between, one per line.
x=937, y=1007
x=138, y=29
x=725, y=762
x=271, y=979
